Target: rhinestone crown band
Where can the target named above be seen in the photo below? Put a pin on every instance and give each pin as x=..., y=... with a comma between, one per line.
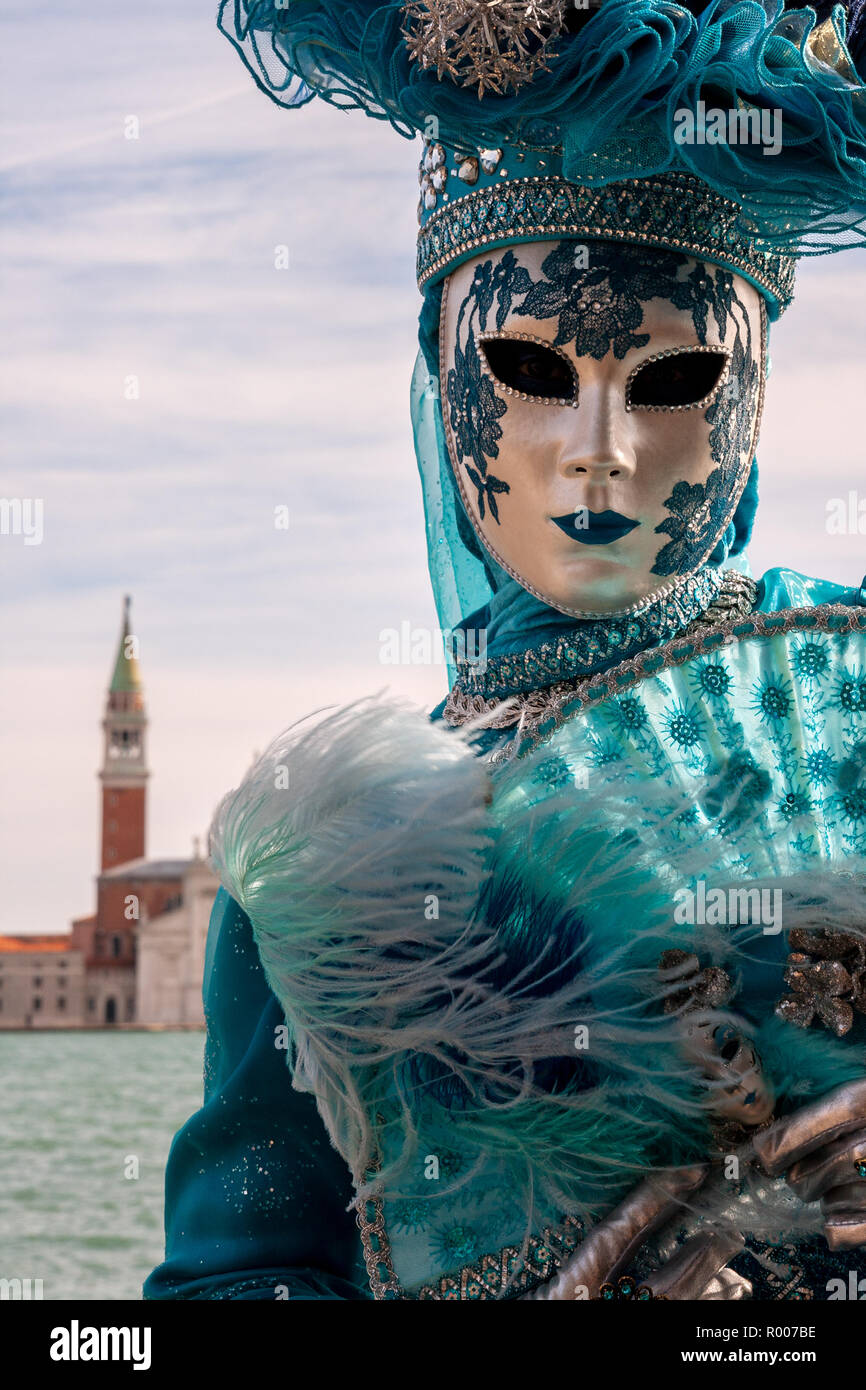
x=478, y=201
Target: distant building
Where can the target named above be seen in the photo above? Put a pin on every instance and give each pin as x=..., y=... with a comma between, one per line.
x=171, y=941
x=139, y=958
x=41, y=982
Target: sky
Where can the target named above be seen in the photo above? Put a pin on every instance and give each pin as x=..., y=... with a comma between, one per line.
x=166, y=385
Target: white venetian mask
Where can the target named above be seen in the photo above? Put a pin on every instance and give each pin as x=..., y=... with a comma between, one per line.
x=601, y=405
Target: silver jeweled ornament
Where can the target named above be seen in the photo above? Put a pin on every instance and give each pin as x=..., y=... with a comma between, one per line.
x=493, y=45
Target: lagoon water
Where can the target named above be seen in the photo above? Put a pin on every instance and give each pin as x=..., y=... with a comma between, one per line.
x=75, y=1108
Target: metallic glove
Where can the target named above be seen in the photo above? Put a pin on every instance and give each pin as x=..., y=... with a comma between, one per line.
x=696, y=1271
x=821, y=1149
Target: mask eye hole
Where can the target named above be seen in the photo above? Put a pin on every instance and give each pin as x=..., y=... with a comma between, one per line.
x=529, y=368
x=675, y=380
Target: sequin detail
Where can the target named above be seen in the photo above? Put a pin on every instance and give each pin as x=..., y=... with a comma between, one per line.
x=628, y=1290
x=826, y=973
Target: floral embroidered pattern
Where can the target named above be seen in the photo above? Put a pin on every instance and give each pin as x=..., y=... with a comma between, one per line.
x=507, y=1272
x=706, y=744
x=456, y=1244
x=475, y=409
x=772, y=699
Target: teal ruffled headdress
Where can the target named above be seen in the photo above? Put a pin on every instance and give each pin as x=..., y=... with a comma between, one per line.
x=587, y=119
x=598, y=89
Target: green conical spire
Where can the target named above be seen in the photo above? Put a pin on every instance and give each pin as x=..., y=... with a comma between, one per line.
x=127, y=676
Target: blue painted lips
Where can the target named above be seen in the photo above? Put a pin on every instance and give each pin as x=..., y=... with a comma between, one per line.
x=595, y=528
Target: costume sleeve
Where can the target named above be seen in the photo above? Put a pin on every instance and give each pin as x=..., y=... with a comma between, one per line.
x=256, y=1196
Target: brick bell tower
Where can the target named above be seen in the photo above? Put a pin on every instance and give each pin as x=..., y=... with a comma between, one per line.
x=124, y=771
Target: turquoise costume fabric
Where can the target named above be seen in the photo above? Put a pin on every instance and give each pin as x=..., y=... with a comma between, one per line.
x=256, y=1196
x=771, y=724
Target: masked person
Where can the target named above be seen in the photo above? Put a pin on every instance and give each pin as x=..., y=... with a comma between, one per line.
x=572, y=977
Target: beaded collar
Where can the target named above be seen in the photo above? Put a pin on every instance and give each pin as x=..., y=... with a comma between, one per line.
x=592, y=643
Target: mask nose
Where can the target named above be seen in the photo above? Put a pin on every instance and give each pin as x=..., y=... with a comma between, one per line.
x=598, y=448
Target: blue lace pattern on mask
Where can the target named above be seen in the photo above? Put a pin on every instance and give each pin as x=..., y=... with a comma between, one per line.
x=599, y=307
x=475, y=407
x=698, y=510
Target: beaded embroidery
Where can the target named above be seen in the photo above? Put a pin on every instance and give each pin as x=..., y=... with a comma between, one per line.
x=508, y=1271
x=592, y=642
x=511, y=1270
x=543, y=711
x=669, y=211
x=370, y=1217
